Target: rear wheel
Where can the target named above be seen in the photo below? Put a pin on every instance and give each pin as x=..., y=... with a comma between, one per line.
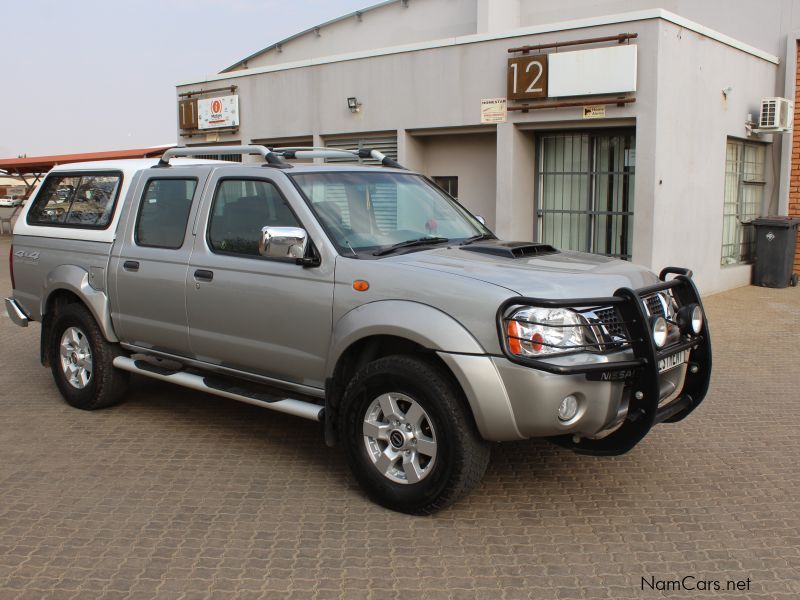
x=408, y=436
x=81, y=360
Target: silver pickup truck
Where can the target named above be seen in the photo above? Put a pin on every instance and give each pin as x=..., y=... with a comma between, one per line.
x=364, y=298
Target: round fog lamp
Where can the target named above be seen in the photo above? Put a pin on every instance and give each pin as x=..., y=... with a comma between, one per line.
x=690, y=319
x=568, y=408
x=697, y=319
x=659, y=325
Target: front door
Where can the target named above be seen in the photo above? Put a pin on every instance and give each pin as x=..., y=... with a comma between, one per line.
x=585, y=199
x=151, y=257
x=246, y=312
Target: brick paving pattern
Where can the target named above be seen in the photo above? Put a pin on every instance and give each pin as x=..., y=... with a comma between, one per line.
x=176, y=494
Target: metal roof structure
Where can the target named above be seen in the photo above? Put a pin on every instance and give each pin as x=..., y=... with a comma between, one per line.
x=34, y=165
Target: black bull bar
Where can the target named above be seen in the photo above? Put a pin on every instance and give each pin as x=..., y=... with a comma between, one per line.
x=640, y=374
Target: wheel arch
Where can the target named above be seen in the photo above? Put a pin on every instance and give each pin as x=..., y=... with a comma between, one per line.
x=385, y=328
x=424, y=325
x=68, y=284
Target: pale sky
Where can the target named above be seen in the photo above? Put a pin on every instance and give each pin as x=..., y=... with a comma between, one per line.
x=92, y=75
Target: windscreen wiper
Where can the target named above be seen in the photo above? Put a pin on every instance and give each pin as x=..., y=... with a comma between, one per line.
x=479, y=237
x=409, y=243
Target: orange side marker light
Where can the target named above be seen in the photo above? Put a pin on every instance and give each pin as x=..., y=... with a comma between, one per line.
x=514, y=338
x=360, y=285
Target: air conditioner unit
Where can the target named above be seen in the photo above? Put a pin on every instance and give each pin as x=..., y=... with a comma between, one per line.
x=777, y=115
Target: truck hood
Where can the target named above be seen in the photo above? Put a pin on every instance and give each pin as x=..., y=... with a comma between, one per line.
x=554, y=275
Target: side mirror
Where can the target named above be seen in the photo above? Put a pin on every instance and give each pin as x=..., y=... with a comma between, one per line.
x=283, y=242
x=480, y=219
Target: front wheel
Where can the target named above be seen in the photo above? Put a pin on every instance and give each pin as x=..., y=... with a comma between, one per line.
x=408, y=436
x=81, y=360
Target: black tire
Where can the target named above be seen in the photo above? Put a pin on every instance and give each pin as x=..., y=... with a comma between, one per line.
x=461, y=454
x=106, y=385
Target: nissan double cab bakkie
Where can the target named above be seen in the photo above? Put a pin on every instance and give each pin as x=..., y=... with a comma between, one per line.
x=363, y=297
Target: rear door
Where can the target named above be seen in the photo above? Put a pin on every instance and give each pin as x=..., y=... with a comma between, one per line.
x=150, y=261
x=266, y=316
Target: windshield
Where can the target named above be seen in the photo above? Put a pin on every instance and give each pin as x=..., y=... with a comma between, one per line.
x=372, y=214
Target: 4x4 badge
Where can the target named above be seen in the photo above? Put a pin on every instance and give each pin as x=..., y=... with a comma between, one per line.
x=28, y=256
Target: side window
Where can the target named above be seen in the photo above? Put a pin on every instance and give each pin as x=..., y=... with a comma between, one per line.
x=77, y=200
x=241, y=208
x=164, y=213
x=93, y=200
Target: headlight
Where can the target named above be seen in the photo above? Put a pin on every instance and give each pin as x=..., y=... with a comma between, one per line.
x=542, y=331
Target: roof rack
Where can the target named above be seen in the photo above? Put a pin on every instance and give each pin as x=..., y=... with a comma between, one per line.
x=322, y=152
x=272, y=159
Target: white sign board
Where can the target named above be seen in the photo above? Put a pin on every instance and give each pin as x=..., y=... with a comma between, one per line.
x=222, y=111
x=599, y=71
x=494, y=110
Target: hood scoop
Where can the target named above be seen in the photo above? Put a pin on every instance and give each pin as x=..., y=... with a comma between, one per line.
x=511, y=249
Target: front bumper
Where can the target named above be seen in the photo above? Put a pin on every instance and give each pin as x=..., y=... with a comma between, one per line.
x=16, y=313
x=621, y=396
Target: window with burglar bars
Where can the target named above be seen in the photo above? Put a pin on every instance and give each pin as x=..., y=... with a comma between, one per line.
x=585, y=199
x=744, y=195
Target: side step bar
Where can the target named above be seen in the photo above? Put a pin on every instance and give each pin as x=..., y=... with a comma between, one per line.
x=290, y=406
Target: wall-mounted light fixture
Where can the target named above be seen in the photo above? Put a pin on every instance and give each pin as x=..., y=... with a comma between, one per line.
x=353, y=104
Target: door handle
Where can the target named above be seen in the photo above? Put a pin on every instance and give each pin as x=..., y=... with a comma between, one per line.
x=131, y=265
x=203, y=275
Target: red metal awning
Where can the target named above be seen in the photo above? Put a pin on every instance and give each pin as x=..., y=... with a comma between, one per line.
x=42, y=164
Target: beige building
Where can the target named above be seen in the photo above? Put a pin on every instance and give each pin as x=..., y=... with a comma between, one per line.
x=627, y=124
x=12, y=186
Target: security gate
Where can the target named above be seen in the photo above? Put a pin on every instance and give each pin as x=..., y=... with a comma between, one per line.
x=585, y=194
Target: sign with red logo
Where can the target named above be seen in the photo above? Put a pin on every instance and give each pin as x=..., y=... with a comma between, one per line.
x=218, y=112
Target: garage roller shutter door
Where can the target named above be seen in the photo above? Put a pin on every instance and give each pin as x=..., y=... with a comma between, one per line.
x=386, y=143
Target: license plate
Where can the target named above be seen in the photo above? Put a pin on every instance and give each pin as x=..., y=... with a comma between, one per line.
x=670, y=362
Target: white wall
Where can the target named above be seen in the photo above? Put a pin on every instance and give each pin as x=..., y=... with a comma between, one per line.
x=436, y=88
x=761, y=23
x=498, y=15
x=472, y=158
x=693, y=123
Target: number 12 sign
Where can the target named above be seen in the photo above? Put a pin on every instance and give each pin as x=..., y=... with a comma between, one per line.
x=527, y=77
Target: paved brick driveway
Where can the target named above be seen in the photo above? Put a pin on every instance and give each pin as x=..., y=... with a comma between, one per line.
x=180, y=495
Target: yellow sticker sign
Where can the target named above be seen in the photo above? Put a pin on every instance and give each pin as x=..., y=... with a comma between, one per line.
x=597, y=111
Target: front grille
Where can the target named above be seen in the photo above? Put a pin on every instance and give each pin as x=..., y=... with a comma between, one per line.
x=655, y=307
x=613, y=330
x=612, y=321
